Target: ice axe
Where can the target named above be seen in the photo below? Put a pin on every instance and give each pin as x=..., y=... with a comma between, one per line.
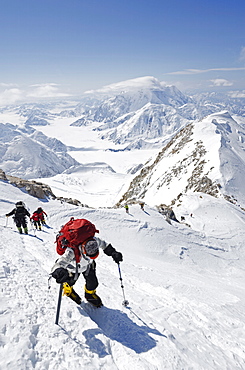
x=125, y=302
x=58, y=305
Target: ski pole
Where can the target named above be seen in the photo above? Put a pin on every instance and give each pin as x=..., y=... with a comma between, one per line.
x=33, y=229
x=58, y=305
x=125, y=302
x=6, y=221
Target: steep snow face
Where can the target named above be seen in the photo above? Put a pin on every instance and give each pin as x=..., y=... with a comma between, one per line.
x=205, y=156
x=150, y=122
x=31, y=154
x=232, y=155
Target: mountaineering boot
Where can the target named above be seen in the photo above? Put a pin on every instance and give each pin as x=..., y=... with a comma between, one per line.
x=70, y=292
x=25, y=230
x=40, y=228
x=20, y=230
x=93, y=298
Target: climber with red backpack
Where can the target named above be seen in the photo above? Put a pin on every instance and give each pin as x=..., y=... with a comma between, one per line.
x=35, y=218
x=38, y=218
x=78, y=247
x=41, y=213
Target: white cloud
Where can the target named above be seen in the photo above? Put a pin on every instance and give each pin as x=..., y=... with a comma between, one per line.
x=196, y=71
x=11, y=96
x=48, y=90
x=3, y=84
x=242, y=54
x=221, y=82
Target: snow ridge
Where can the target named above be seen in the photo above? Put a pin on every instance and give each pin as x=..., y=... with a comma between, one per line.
x=203, y=157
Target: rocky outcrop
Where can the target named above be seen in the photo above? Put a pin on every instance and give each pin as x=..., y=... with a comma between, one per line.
x=36, y=189
x=3, y=176
x=167, y=212
x=75, y=202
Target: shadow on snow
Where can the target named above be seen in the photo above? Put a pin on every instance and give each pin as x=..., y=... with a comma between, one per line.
x=117, y=326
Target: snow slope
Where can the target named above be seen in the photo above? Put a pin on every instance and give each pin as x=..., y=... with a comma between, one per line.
x=28, y=153
x=185, y=287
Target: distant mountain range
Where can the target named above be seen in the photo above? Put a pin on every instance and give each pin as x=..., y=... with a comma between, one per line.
x=134, y=110
x=200, y=138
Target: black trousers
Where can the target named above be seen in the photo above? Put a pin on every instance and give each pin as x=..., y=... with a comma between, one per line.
x=20, y=221
x=90, y=277
x=37, y=223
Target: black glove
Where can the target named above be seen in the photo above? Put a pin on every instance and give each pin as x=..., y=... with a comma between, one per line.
x=61, y=275
x=111, y=251
x=117, y=256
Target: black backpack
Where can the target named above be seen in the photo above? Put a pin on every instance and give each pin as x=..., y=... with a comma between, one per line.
x=20, y=209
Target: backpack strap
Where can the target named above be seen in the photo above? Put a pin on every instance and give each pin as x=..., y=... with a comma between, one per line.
x=76, y=252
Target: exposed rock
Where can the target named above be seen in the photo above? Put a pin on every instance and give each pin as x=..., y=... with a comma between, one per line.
x=167, y=212
x=36, y=189
x=75, y=202
x=2, y=175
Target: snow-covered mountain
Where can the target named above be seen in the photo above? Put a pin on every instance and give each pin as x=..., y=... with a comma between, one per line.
x=206, y=156
x=233, y=101
x=135, y=109
x=28, y=153
x=146, y=109
x=129, y=111
x=139, y=116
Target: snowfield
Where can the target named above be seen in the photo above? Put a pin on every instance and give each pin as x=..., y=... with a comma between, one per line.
x=185, y=287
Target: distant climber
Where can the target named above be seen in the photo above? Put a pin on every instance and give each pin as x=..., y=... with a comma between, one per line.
x=20, y=212
x=126, y=208
x=41, y=213
x=142, y=204
x=35, y=218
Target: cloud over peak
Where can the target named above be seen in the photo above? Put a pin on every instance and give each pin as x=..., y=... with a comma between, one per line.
x=221, y=82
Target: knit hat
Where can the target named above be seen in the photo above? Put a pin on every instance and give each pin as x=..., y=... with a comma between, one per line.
x=92, y=249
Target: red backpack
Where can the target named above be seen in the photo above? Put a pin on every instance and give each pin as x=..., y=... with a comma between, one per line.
x=35, y=216
x=73, y=234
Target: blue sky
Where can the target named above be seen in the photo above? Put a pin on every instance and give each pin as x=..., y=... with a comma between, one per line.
x=57, y=47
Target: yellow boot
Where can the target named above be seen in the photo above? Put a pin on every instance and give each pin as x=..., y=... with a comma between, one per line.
x=70, y=292
x=93, y=298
